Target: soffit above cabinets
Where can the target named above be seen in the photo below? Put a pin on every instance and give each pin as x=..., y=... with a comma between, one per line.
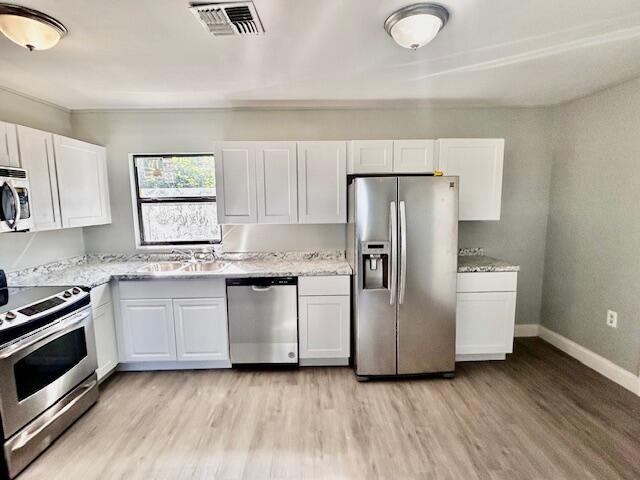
x=154, y=54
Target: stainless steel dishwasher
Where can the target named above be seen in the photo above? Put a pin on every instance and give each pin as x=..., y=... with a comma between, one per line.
x=263, y=320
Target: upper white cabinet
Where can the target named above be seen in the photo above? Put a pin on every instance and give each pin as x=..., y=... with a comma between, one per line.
x=277, y=182
x=201, y=328
x=8, y=145
x=391, y=156
x=84, y=202
x=37, y=157
x=413, y=156
x=370, y=156
x=478, y=163
x=236, y=182
x=322, y=182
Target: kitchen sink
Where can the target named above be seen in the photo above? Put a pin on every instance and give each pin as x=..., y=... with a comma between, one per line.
x=163, y=267
x=204, y=267
x=186, y=267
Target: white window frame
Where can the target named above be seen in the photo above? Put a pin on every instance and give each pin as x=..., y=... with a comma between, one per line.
x=137, y=231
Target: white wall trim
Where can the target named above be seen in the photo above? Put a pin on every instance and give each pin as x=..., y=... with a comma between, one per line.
x=527, y=330
x=592, y=360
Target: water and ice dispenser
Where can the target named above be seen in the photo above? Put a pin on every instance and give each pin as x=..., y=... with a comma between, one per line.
x=375, y=264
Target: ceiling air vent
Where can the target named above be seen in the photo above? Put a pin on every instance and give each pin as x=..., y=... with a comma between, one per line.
x=228, y=18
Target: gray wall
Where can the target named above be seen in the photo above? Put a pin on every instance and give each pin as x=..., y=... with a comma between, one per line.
x=518, y=237
x=28, y=249
x=593, y=236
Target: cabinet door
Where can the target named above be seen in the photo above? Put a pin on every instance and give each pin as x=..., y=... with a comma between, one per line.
x=413, y=156
x=478, y=163
x=147, y=330
x=322, y=182
x=82, y=182
x=106, y=344
x=236, y=182
x=370, y=156
x=36, y=156
x=201, y=329
x=277, y=182
x=324, y=327
x=485, y=322
x=8, y=145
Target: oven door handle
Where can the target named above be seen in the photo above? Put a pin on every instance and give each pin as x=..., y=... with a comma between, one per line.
x=40, y=426
x=64, y=326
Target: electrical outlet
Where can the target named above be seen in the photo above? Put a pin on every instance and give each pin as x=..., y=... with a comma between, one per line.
x=612, y=319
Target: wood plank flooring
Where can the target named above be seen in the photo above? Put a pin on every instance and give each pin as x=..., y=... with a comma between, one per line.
x=538, y=415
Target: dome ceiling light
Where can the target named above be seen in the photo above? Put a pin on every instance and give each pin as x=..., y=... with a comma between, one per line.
x=29, y=28
x=416, y=25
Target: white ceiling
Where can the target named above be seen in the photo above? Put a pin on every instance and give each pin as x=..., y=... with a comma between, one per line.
x=155, y=54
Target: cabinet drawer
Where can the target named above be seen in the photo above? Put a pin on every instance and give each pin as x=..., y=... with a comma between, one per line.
x=328, y=285
x=187, y=288
x=100, y=295
x=487, y=282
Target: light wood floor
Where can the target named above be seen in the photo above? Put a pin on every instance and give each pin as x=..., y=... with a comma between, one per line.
x=539, y=415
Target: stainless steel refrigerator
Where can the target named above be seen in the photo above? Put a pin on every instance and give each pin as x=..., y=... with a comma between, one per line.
x=403, y=246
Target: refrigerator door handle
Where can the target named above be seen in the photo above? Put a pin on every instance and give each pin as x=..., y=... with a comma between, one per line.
x=403, y=251
x=393, y=271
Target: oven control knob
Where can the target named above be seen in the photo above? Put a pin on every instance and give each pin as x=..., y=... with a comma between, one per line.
x=66, y=294
x=76, y=290
x=10, y=316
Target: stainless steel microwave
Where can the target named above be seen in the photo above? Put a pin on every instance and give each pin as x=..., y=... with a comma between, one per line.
x=15, y=209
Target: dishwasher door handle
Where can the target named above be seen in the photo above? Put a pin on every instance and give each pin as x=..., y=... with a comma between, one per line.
x=256, y=288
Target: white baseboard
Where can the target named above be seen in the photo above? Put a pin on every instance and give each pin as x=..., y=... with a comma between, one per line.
x=527, y=330
x=480, y=357
x=592, y=360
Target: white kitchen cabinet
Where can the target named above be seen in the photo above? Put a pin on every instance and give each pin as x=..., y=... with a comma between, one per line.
x=148, y=330
x=413, y=156
x=324, y=327
x=322, y=182
x=9, y=145
x=370, y=156
x=82, y=182
x=37, y=157
x=478, y=163
x=105, y=330
x=236, y=182
x=324, y=323
x=201, y=328
x=106, y=346
x=485, y=315
x=277, y=182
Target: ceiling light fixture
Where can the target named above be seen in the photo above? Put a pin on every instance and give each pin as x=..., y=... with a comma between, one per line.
x=416, y=25
x=29, y=28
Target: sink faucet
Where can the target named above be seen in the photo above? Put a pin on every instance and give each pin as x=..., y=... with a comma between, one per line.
x=194, y=256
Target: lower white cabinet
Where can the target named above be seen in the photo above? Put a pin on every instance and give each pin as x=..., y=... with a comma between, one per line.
x=148, y=330
x=201, y=328
x=324, y=323
x=324, y=327
x=485, y=316
x=105, y=330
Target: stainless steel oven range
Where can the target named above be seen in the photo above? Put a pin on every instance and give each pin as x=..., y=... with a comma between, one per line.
x=47, y=368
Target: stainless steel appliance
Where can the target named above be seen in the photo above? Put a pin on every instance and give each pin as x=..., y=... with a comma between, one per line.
x=15, y=211
x=47, y=368
x=402, y=246
x=263, y=320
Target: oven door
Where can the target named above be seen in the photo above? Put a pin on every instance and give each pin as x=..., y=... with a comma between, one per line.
x=40, y=369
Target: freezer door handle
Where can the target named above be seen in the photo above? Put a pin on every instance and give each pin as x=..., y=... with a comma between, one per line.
x=403, y=251
x=393, y=271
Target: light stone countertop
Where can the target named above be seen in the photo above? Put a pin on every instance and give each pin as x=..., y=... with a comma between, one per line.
x=473, y=260
x=96, y=269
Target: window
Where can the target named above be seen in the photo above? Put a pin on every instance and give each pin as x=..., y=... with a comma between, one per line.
x=176, y=200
